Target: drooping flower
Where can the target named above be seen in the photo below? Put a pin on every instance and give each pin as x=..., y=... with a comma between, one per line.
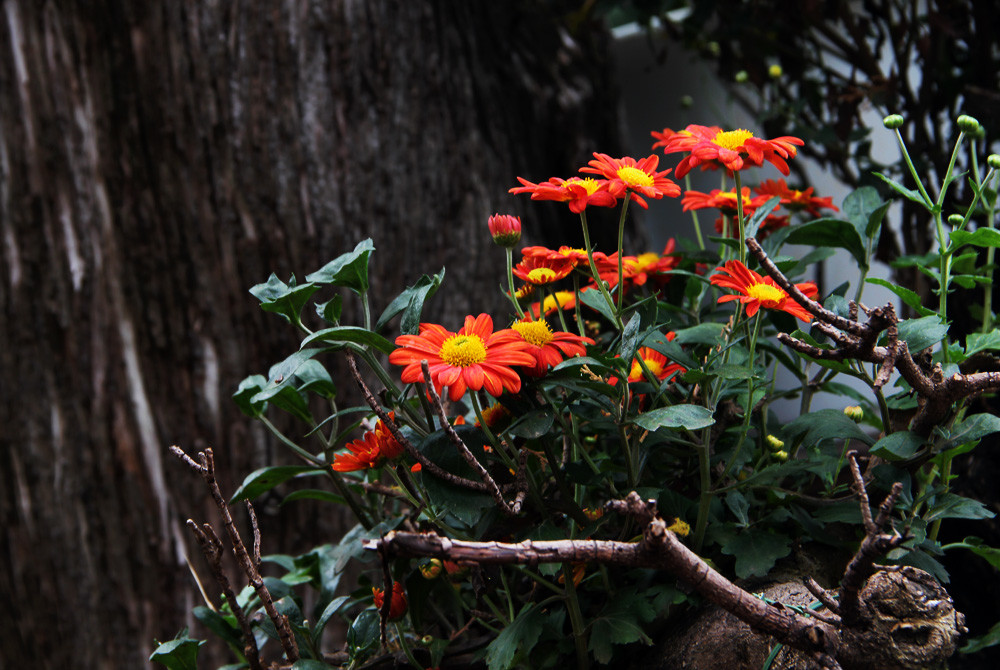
x=577, y=191
x=370, y=450
x=794, y=200
x=543, y=269
x=549, y=348
x=755, y=291
x=505, y=229
x=397, y=604
x=639, y=179
x=732, y=149
x=474, y=358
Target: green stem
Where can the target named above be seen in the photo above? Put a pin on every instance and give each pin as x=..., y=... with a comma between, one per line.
x=928, y=203
x=510, y=283
x=621, y=237
x=694, y=215
x=596, y=274
x=741, y=223
x=576, y=619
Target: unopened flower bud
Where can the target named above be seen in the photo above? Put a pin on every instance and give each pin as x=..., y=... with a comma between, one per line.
x=967, y=124
x=686, y=101
x=775, y=71
x=993, y=160
x=741, y=77
x=780, y=456
x=505, y=229
x=955, y=219
x=431, y=569
x=854, y=413
x=397, y=604
x=893, y=121
x=773, y=443
x=713, y=48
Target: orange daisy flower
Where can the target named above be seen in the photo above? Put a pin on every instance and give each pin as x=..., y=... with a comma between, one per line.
x=661, y=366
x=577, y=256
x=398, y=603
x=637, y=270
x=369, y=451
x=637, y=178
x=724, y=201
x=548, y=348
x=543, y=269
x=577, y=191
x=474, y=358
x=794, y=200
x=755, y=291
x=732, y=149
x=496, y=416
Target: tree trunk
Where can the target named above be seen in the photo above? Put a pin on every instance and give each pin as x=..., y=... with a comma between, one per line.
x=159, y=158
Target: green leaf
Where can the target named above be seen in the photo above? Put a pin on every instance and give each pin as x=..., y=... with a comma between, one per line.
x=691, y=417
x=739, y=506
x=340, y=335
x=532, y=425
x=898, y=446
x=982, y=237
x=265, y=479
x=923, y=332
x=223, y=626
x=754, y=222
x=247, y=390
x=314, y=494
x=350, y=270
x=756, y=551
x=910, y=298
x=411, y=303
x=902, y=190
x=330, y=310
x=363, y=634
x=978, y=547
x=973, y=428
x=703, y=333
x=865, y=209
x=630, y=338
x=520, y=636
x=178, y=654
x=467, y=506
x=954, y=506
x=613, y=628
x=825, y=424
x=310, y=664
x=594, y=299
x=829, y=232
x=332, y=607
x=977, y=644
x=280, y=376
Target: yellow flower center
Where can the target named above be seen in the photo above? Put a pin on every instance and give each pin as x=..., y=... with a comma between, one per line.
x=634, y=176
x=654, y=366
x=541, y=276
x=567, y=251
x=555, y=301
x=732, y=139
x=647, y=259
x=463, y=350
x=537, y=333
x=589, y=184
x=766, y=293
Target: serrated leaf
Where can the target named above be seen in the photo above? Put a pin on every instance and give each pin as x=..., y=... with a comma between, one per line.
x=265, y=479
x=923, y=332
x=349, y=270
x=829, y=232
x=982, y=237
x=954, y=506
x=691, y=417
x=898, y=446
x=178, y=654
x=756, y=551
x=281, y=374
x=339, y=335
x=411, y=303
x=611, y=629
x=972, y=428
x=520, y=636
x=594, y=299
x=910, y=298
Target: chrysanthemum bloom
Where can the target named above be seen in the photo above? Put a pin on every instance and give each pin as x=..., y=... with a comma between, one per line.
x=636, y=270
x=755, y=291
x=474, y=358
x=397, y=604
x=557, y=300
x=577, y=191
x=388, y=445
x=543, y=269
x=363, y=454
x=505, y=229
x=577, y=256
x=659, y=365
x=724, y=201
x=732, y=149
x=794, y=200
x=549, y=348
x=637, y=178
x=495, y=416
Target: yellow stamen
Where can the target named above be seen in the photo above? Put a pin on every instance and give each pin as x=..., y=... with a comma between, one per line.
x=732, y=139
x=463, y=350
x=589, y=184
x=634, y=177
x=647, y=259
x=541, y=276
x=537, y=333
x=766, y=293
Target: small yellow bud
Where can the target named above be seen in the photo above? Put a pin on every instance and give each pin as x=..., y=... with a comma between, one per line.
x=780, y=456
x=680, y=527
x=967, y=124
x=773, y=443
x=775, y=71
x=742, y=77
x=993, y=160
x=854, y=413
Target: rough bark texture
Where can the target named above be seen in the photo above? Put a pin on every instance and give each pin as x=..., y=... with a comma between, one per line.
x=156, y=160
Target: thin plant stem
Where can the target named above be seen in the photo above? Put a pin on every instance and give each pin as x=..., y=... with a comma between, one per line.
x=621, y=270
x=510, y=282
x=596, y=274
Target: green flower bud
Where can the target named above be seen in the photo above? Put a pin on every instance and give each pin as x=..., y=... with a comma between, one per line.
x=775, y=71
x=773, y=443
x=687, y=101
x=713, y=48
x=967, y=124
x=955, y=219
x=893, y=121
x=854, y=413
x=780, y=456
x=994, y=161
x=741, y=77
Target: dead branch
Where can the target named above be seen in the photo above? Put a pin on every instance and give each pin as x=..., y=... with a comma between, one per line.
x=658, y=549
x=858, y=341
x=206, y=468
